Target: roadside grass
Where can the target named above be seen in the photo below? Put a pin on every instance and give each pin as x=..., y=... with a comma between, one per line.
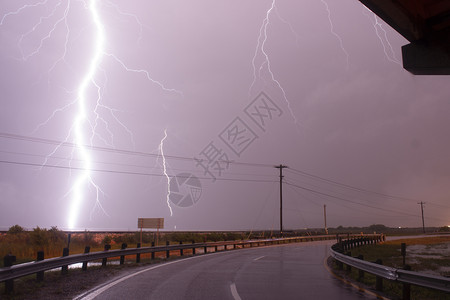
x=25, y=244
x=390, y=254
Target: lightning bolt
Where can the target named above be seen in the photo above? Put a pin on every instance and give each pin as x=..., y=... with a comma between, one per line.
x=161, y=151
x=338, y=37
x=81, y=119
x=88, y=106
x=261, y=50
x=382, y=36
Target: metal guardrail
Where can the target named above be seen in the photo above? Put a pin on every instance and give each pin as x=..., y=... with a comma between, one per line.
x=20, y=270
x=425, y=280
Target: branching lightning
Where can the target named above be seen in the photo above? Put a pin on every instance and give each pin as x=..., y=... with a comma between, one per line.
x=260, y=49
x=338, y=37
x=81, y=119
x=161, y=151
x=382, y=36
x=88, y=108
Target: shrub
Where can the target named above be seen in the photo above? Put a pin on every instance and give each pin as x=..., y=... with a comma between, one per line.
x=107, y=240
x=16, y=229
x=39, y=238
x=125, y=238
x=444, y=229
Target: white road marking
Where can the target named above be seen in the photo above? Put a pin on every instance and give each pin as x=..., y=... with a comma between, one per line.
x=92, y=294
x=234, y=292
x=258, y=258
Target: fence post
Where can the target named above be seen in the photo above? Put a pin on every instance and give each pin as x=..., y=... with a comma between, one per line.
x=379, y=279
x=181, y=250
x=104, y=260
x=8, y=262
x=64, y=269
x=153, y=253
x=122, y=257
x=406, y=286
x=40, y=275
x=86, y=250
x=167, y=251
x=138, y=255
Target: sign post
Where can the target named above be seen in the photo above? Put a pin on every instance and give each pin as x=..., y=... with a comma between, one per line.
x=151, y=223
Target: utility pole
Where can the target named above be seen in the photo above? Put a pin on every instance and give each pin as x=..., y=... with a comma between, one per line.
x=281, y=167
x=325, y=217
x=423, y=220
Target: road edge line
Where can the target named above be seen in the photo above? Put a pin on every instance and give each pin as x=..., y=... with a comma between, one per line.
x=378, y=296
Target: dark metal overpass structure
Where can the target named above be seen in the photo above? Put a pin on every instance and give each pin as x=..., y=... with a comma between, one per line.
x=426, y=25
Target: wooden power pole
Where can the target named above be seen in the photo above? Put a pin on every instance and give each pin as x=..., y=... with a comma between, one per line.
x=423, y=220
x=281, y=167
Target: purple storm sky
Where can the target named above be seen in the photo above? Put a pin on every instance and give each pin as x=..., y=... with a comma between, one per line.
x=340, y=107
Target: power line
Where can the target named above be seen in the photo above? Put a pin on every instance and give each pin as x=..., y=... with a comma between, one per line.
x=354, y=202
x=346, y=200
x=323, y=199
x=299, y=172
x=120, y=151
x=126, y=172
x=121, y=164
x=349, y=186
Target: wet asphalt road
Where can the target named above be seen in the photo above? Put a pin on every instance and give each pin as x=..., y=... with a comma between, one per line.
x=290, y=271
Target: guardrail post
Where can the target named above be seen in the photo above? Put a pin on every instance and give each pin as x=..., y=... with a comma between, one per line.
x=122, y=257
x=403, y=252
x=104, y=260
x=40, y=275
x=153, y=252
x=406, y=286
x=138, y=255
x=181, y=250
x=167, y=251
x=340, y=265
x=215, y=248
x=379, y=279
x=87, y=249
x=8, y=262
x=348, y=267
x=64, y=269
x=193, y=248
x=361, y=272
x=206, y=249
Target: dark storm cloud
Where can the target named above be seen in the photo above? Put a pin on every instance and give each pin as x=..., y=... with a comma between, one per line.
x=366, y=123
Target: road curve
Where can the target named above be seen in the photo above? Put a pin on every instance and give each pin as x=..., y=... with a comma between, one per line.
x=289, y=271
